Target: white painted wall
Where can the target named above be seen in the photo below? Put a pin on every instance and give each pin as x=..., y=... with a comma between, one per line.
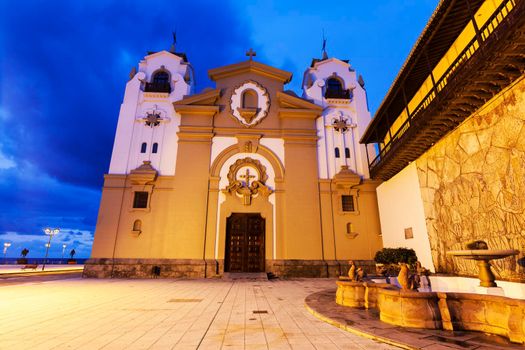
x=275, y=145
x=400, y=207
x=219, y=144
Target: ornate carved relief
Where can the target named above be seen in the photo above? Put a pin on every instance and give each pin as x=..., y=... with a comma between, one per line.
x=153, y=117
x=247, y=178
x=341, y=123
x=249, y=116
x=248, y=143
x=473, y=188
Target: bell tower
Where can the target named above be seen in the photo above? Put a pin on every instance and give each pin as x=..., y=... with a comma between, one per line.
x=333, y=84
x=147, y=124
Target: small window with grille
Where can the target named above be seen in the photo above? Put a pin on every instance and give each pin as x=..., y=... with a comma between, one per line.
x=140, y=200
x=155, y=148
x=347, y=152
x=337, y=153
x=143, y=147
x=348, y=203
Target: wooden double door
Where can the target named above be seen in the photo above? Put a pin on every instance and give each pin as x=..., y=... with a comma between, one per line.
x=245, y=243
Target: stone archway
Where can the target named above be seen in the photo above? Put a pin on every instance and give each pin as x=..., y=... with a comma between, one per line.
x=223, y=203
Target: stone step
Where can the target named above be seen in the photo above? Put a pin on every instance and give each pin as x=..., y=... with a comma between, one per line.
x=245, y=276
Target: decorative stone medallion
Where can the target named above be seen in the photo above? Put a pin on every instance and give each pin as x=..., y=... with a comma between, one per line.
x=249, y=115
x=153, y=117
x=247, y=179
x=342, y=124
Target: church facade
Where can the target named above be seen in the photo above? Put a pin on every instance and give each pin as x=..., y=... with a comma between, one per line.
x=246, y=177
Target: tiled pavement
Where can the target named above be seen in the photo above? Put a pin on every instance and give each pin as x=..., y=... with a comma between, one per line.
x=366, y=322
x=167, y=314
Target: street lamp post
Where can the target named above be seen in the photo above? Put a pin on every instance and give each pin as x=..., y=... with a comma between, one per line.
x=6, y=245
x=50, y=232
x=63, y=250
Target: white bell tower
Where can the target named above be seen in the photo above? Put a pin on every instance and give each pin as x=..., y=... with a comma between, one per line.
x=148, y=124
x=334, y=85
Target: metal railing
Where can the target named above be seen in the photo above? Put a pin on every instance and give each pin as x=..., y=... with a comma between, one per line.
x=341, y=94
x=499, y=15
x=157, y=87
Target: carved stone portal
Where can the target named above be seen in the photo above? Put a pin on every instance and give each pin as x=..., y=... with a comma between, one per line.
x=247, y=178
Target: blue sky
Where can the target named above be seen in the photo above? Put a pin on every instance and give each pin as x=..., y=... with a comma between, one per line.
x=64, y=65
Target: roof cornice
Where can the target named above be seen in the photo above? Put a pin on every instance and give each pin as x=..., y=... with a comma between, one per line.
x=250, y=67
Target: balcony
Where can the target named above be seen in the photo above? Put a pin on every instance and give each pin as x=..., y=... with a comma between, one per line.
x=491, y=61
x=338, y=94
x=157, y=87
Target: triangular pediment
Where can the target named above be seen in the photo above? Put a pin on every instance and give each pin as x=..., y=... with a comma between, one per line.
x=204, y=103
x=152, y=55
x=205, y=98
x=346, y=177
x=317, y=63
x=144, y=174
x=250, y=67
x=295, y=102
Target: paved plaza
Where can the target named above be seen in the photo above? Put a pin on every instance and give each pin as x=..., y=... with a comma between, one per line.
x=19, y=269
x=167, y=314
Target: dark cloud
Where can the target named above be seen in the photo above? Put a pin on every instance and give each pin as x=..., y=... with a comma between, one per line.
x=33, y=201
x=66, y=63
x=63, y=69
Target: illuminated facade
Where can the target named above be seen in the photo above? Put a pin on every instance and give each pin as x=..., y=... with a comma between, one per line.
x=246, y=177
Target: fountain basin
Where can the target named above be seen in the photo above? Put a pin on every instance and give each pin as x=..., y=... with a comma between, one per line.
x=409, y=308
x=359, y=294
x=483, y=257
x=456, y=284
x=483, y=254
x=438, y=310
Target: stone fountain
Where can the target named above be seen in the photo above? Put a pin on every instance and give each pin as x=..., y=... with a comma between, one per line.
x=478, y=251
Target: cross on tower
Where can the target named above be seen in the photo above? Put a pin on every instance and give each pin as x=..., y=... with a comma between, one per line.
x=247, y=177
x=251, y=53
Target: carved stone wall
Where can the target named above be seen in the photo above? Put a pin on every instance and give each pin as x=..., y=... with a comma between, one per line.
x=473, y=186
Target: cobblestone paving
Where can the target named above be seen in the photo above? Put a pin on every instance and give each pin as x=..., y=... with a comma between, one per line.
x=167, y=314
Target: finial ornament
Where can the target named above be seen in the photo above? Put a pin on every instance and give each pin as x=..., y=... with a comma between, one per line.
x=174, y=42
x=251, y=53
x=325, y=55
x=132, y=72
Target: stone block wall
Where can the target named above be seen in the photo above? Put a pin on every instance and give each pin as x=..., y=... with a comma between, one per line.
x=143, y=268
x=195, y=268
x=473, y=186
x=315, y=268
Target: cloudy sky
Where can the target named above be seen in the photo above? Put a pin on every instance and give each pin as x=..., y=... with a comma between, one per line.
x=64, y=64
